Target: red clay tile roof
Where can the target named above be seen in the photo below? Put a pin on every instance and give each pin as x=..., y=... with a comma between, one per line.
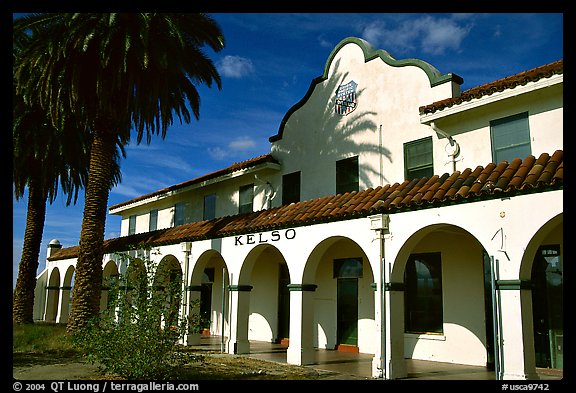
x=510, y=82
x=493, y=181
x=232, y=168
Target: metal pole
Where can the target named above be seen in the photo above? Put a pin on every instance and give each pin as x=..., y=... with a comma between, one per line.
x=381, y=158
x=382, y=308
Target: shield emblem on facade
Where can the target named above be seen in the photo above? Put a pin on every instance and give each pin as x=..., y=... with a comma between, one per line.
x=346, y=98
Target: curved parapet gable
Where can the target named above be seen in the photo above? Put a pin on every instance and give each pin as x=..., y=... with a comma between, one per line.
x=370, y=53
x=434, y=76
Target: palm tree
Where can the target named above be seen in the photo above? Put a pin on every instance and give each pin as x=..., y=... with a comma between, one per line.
x=43, y=157
x=114, y=72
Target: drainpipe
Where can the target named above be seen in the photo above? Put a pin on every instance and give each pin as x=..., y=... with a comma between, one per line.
x=454, y=150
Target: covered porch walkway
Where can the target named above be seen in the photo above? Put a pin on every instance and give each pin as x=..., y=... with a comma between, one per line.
x=348, y=365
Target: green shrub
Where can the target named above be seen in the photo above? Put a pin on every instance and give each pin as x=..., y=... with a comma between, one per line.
x=136, y=336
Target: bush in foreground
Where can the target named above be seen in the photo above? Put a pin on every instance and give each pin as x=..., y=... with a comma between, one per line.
x=136, y=336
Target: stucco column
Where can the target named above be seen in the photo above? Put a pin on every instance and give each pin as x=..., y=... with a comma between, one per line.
x=239, y=313
x=301, y=348
x=394, y=366
x=396, y=361
x=52, y=303
x=63, y=305
x=377, y=360
x=515, y=306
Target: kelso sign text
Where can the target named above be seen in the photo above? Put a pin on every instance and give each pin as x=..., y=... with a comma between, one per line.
x=260, y=238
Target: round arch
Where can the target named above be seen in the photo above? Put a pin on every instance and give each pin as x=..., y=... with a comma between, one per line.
x=109, y=280
x=343, y=301
x=542, y=306
x=341, y=245
x=266, y=274
x=208, y=259
x=207, y=293
x=66, y=294
x=168, y=288
x=550, y=232
x=440, y=302
x=52, y=296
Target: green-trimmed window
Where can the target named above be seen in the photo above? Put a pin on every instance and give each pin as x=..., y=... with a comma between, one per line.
x=181, y=214
x=153, y=223
x=423, y=294
x=246, y=199
x=510, y=137
x=209, y=207
x=132, y=225
x=418, y=159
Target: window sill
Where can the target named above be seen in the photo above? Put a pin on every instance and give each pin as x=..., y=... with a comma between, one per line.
x=426, y=336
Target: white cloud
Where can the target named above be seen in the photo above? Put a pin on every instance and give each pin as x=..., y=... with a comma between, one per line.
x=217, y=153
x=427, y=33
x=235, y=66
x=440, y=34
x=127, y=191
x=324, y=43
x=243, y=143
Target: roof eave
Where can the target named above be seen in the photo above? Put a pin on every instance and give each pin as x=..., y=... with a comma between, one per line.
x=491, y=98
x=118, y=210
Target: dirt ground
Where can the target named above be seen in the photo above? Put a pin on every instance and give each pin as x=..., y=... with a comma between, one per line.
x=214, y=366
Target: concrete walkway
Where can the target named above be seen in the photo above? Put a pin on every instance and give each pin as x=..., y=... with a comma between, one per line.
x=348, y=365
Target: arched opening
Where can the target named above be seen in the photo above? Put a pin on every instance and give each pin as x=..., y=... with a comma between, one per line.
x=266, y=271
x=52, y=295
x=109, y=281
x=168, y=289
x=543, y=266
x=210, y=279
x=344, y=297
x=444, y=301
x=66, y=294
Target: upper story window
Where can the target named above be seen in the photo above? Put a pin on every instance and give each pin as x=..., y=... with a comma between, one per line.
x=347, y=175
x=209, y=207
x=418, y=159
x=181, y=213
x=153, y=223
x=510, y=137
x=291, y=188
x=246, y=199
x=423, y=294
x=132, y=225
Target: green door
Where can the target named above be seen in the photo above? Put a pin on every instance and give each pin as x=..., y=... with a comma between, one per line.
x=347, y=311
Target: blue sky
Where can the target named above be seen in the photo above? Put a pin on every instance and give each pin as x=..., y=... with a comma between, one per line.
x=267, y=66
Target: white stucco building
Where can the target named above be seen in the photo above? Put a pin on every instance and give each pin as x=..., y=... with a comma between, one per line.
x=394, y=216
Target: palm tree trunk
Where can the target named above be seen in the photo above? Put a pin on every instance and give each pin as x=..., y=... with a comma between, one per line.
x=23, y=301
x=87, y=288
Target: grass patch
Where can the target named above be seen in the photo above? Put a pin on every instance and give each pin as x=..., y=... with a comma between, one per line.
x=40, y=338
